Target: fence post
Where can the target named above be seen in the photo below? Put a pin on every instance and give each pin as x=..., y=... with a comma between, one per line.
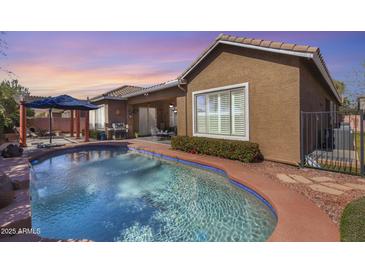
x=302, y=160
x=362, y=171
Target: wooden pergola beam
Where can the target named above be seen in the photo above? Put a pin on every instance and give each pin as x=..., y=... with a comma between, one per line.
x=77, y=124
x=72, y=123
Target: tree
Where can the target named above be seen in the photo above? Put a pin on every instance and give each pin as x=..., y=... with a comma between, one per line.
x=340, y=86
x=347, y=103
x=10, y=91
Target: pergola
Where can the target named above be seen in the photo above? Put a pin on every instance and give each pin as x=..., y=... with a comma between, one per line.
x=59, y=102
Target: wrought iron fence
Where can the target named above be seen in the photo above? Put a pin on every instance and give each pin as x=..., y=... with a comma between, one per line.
x=333, y=141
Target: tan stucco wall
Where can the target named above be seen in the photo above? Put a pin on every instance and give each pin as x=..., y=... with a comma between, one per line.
x=115, y=111
x=181, y=115
x=160, y=100
x=273, y=96
x=313, y=89
x=162, y=113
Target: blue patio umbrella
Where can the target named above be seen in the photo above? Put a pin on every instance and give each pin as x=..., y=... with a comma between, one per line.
x=60, y=102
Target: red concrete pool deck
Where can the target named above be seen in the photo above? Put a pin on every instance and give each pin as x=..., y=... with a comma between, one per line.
x=299, y=220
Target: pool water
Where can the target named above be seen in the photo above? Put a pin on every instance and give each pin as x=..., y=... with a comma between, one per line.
x=109, y=194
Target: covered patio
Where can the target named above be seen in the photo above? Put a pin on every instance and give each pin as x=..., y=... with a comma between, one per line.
x=153, y=114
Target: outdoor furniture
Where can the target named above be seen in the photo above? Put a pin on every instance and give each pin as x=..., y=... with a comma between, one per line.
x=64, y=102
x=120, y=130
x=162, y=134
x=42, y=145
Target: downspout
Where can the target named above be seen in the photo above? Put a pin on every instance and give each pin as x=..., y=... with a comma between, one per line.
x=184, y=82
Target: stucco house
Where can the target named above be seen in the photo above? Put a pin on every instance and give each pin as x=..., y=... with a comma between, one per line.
x=238, y=89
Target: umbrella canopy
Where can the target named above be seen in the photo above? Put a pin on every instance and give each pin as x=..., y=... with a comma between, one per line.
x=61, y=102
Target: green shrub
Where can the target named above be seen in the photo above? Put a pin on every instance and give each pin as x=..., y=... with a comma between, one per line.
x=243, y=151
x=93, y=134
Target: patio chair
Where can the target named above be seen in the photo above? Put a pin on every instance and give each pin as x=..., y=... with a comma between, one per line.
x=119, y=130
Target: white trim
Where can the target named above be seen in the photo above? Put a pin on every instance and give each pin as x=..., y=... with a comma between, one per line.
x=247, y=113
x=217, y=136
x=282, y=51
x=313, y=56
x=326, y=76
x=221, y=88
x=100, y=98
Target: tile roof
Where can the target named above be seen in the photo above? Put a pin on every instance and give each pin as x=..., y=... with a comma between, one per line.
x=255, y=42
x=126, y=91
x=117, y=92
x=120, y=91
x=295, y=48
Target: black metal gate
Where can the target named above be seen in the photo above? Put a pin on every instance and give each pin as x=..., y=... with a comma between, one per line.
x=333, y=141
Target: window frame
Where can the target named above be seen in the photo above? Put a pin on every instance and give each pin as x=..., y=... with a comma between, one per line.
x=221, y=89
x=102, y=108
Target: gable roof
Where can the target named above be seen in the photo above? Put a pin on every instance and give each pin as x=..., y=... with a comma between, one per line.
x=271, y=46
x=116, y=93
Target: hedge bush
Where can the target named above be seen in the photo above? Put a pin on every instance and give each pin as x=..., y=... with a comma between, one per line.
x=243, y=151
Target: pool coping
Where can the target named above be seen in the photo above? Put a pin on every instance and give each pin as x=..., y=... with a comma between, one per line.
x=212, y=169
x=298, y=219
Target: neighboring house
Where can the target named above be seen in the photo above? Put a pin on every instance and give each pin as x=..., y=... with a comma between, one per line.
x=238, y=89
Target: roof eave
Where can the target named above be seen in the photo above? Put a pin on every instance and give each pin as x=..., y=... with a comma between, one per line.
x=153, y=89
x=314, y=56
x=100, y=98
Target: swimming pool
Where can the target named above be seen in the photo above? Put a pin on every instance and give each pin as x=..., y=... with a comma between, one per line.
x=116, y=194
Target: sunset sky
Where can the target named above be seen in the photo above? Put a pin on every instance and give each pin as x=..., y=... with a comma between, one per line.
x=88, y=63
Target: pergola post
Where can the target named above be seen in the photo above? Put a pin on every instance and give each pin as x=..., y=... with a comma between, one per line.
x=86, y=126
x=23, y=124
x=77, y=124
x=72, y=123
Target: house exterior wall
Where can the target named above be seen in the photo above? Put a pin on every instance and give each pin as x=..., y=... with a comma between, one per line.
x=162, y=115
x=315, y=96
x=313, y=90
x=274, y=107
x=115, y=111
x=160, y=100
x=182, y=120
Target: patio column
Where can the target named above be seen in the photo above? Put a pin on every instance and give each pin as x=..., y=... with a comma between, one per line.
x=72, y=123
x=77, y=124
x=22, y=124
x=86, y=137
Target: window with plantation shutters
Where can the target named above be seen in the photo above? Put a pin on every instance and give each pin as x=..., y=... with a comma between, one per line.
x=201, y=114
x=221, y=113
x=238, y=112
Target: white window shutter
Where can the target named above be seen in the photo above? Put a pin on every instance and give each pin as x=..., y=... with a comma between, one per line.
x=224, y=113
x=213, y=126
x=239, y=106
x=201, y=114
